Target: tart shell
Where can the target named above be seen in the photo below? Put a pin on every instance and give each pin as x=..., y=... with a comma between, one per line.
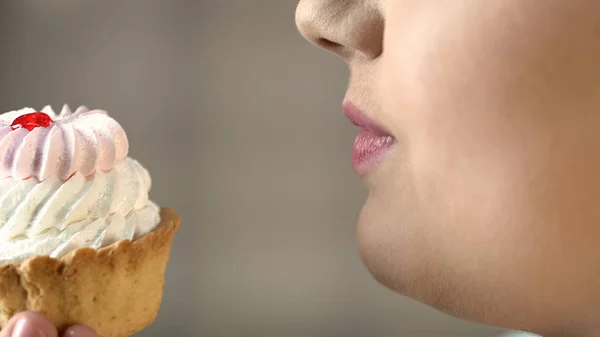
x=116, y=290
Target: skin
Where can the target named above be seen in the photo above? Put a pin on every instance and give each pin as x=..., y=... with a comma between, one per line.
x=31, y=324
x=488, y=207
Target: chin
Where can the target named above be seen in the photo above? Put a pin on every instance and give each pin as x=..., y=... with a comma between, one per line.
x=381, y=251
x=397, y=251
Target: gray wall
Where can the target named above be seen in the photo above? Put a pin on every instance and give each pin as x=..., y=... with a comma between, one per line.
x=238, y=120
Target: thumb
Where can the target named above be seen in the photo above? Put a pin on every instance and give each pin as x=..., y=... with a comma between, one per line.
x=29, y=324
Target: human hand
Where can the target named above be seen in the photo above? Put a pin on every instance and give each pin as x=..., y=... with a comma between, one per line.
x=32, y=324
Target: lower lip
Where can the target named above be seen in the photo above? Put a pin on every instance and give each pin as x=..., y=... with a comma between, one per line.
x=369, y=150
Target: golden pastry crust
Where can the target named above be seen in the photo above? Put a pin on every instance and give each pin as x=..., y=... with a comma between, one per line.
x=116, y=290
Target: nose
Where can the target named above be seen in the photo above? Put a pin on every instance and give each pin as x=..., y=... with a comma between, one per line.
x=345, y=27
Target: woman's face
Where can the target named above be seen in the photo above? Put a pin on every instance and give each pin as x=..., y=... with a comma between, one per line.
x=487, y=205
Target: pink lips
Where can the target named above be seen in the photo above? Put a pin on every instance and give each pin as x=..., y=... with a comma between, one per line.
x=372, y=142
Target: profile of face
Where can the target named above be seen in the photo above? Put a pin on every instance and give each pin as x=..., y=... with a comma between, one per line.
x=481, y=121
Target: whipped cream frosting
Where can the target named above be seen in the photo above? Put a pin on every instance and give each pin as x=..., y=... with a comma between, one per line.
x=69, y=185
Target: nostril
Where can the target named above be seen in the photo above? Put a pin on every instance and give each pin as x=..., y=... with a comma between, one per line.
x=334, y=47
x=328, y=44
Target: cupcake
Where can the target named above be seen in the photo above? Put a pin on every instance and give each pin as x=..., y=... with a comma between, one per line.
x=80, y=241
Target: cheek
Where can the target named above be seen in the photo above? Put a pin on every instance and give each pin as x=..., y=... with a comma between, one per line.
x=479, y=100
x=480, y=71
x=470, y=149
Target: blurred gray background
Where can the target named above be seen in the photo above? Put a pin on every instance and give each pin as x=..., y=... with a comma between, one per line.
x=238, y=120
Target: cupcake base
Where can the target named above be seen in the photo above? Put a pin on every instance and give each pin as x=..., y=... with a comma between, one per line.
x=115, y=290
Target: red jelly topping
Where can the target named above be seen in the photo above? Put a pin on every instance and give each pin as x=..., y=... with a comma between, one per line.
x=31, y=121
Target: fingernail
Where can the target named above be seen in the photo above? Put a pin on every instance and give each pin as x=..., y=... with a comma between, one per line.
x=25, y=328
x=80, y=331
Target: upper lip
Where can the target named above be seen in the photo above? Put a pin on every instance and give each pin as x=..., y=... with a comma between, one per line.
x=360, y=119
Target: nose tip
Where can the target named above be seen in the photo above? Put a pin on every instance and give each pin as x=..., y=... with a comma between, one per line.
x=304, y=16
x=310, y=23
x=343, y=27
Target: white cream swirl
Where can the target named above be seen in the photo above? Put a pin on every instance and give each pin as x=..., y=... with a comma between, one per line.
x=84, y=141
x=53, y=217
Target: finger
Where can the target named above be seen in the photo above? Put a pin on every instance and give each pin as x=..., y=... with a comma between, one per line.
x=79, y=331
x=29, y=324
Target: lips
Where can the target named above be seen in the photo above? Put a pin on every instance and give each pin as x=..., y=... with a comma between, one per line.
x=372, y=142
